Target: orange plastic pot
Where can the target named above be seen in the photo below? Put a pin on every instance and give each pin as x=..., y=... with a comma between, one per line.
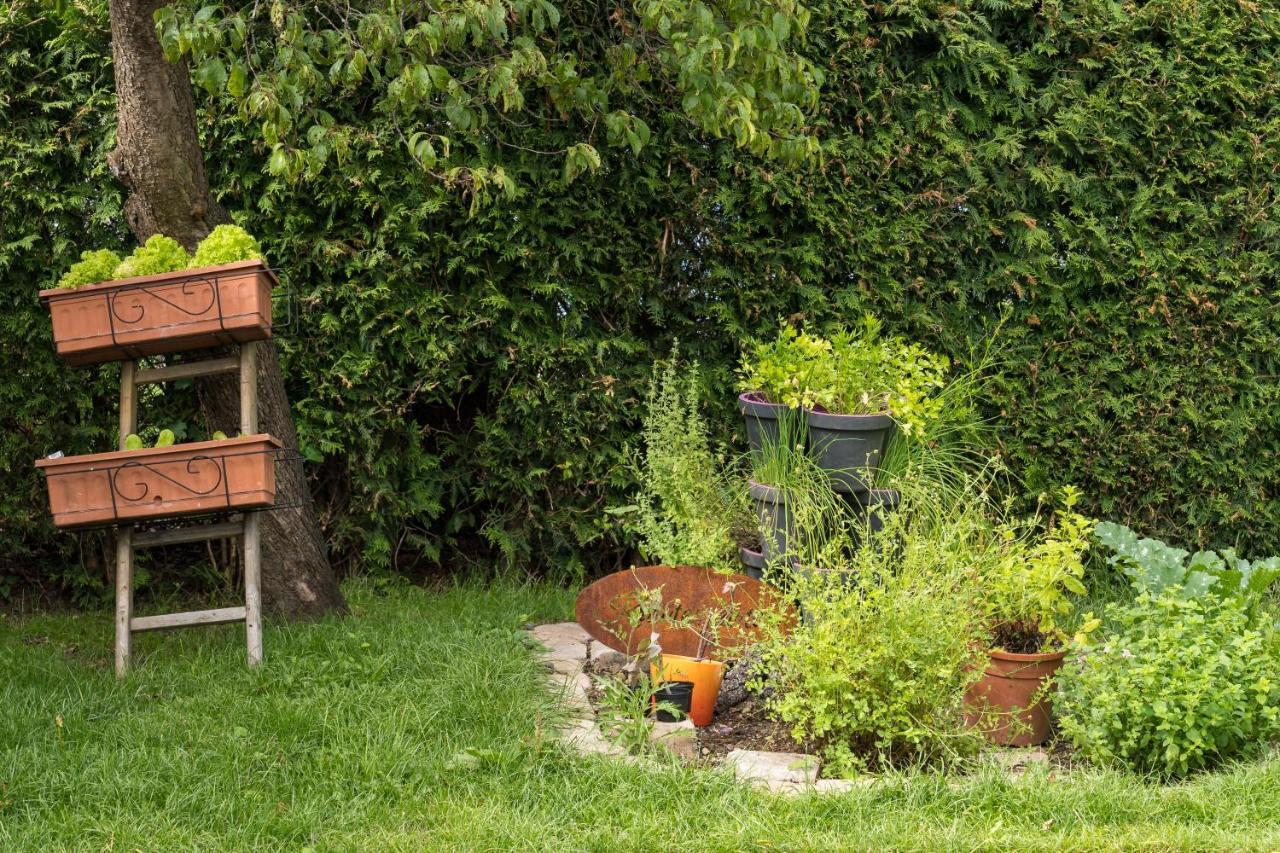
x=164, y=313
x=705, y=675
x=1009, y=702
x=159, y=482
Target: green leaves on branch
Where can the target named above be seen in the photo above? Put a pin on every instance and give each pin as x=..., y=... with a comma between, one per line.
x=476, y=71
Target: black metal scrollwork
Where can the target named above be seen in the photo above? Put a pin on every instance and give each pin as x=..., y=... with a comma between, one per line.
x=146, y=489
x=188, y=289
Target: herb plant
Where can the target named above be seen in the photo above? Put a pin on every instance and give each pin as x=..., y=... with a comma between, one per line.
x=875, y=672
x=1180, y=684
x=690, y=503
x=159, y=254
x=1030, y=586
x=93, y=267
x=856, y=371
x=795, y=369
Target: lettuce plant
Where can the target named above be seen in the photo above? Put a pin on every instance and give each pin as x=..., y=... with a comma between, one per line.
x=159, y=254
x=224, y=245
x=93, y=267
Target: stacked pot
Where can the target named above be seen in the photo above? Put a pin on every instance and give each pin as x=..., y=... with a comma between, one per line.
x=847, y=447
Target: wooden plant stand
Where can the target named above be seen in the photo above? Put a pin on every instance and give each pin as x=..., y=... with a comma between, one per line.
x=245, y=524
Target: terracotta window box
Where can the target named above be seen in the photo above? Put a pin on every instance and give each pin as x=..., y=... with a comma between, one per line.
x=164, y=313
x=127, y=486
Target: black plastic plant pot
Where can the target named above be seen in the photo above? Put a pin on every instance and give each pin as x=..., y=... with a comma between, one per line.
x=679, y=694
x=774, y=517
x=753, y=562
x=878, y=503
x=849, y=447
x=761, y=417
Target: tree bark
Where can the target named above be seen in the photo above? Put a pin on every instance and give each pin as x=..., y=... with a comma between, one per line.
x=159, y=161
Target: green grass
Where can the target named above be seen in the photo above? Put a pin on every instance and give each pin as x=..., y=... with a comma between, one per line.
x=355, y=735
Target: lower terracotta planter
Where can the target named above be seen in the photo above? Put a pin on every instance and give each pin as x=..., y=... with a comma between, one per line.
x=705, y=674
x=164, y=313
x=1009, y=703
x=159, y=482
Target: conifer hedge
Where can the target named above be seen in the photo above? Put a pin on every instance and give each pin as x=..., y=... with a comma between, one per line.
x=1106, y=171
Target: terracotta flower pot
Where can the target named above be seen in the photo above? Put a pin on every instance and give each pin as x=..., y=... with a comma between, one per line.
x=705, y=675
x=164, y=313
x=159, y=482
x=1009, y=702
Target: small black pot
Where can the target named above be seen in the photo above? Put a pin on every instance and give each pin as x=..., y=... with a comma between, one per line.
x=753, y=562
x=678, y=693
x=849, y=447
x=762, y=418
x=776, y=528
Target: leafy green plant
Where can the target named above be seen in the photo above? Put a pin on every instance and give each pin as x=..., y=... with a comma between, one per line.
x=159, y=254
x=875, y=373
x=1157, y=568
x=94, y=266
x=1179, y=684
x=226, y=244
x=1030, y=586
x=857, y=371
x=689, y=503
x=795, y=369
x=875, y=672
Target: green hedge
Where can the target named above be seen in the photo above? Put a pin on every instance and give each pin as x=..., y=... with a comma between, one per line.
x=1107, y=171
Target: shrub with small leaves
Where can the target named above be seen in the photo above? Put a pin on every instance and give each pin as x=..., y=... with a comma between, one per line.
x=159, y=254
x=1180, y=684
x=93, y=267
x=224, y=245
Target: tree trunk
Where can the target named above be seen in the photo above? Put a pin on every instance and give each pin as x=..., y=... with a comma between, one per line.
x=159, y=161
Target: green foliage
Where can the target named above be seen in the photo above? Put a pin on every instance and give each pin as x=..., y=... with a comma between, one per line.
x=1156, y=568
x=794, y=369
x=224, y=245
x=1037, y=575
x=467, y=382
x=159, y=254
x=94, y=266
x=1180, y=684
x=875, y=373
x=876, y=670
x=295, y=70
x=689, y=503
x=857, y=371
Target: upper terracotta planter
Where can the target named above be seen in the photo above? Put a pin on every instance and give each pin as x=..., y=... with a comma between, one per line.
x=158, y=482
x=156, y=314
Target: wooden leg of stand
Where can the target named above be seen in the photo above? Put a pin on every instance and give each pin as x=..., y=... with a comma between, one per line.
x=252, y=587
x=124, y=599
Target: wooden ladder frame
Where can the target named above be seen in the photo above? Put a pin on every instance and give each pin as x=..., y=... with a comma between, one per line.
x=246, y=524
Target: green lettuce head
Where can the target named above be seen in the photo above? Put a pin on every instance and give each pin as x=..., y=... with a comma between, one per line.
x=159, y=254
x=224, y=245
x=92, y=268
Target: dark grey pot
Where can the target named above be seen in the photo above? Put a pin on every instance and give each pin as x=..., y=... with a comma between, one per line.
x=753, y=562
x=761, y=417
x=776, y=531
x=849, y=447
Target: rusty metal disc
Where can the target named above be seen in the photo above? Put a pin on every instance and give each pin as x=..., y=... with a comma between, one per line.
x=613, y=610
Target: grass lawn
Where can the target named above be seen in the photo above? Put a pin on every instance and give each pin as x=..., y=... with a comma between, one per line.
x=419, y=724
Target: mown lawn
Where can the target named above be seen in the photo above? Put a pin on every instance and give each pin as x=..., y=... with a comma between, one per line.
x=419, y=724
